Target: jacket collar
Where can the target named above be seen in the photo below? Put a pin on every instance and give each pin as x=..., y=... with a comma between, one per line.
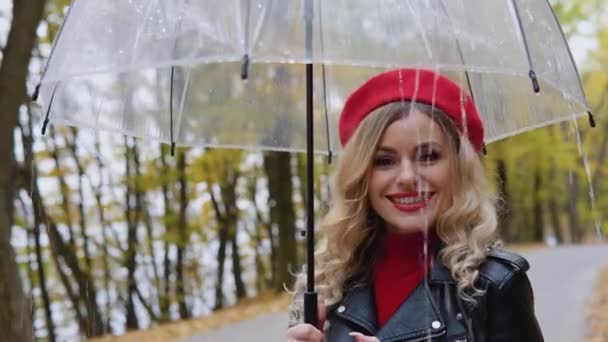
x=358, y=307
x=440, y=274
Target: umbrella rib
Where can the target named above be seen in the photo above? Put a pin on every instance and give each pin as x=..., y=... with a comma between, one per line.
x=520, y=25
x=459, y=49
x=578, y=77
x=184, y=95
x=36, y=93
x=324, y=79
x=171, y=111
x=65, y=19
x=464, y=64
x=48, y=110
x=327, y=134
x=246, y=47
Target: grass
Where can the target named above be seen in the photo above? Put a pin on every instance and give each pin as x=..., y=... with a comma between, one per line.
x=245, y=309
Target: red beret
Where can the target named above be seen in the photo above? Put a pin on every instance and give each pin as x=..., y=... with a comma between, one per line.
x=419, y=85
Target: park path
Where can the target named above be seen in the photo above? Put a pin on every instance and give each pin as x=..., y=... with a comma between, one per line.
x=562, y=277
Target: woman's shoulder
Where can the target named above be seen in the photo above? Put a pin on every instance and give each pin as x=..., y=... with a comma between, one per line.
x=501, y=266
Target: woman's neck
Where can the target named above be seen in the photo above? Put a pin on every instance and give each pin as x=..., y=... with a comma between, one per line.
x=407, y=245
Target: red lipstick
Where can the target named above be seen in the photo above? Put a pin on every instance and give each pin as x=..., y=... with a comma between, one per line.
x=411, y=201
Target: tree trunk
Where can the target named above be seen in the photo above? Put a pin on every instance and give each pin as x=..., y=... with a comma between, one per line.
x=504, y=210
x=237, y=269
x=165, y=298
x=257, y=235
x=105, y=226
x=603, y=152
x=131, y=215
x=231, y=222
x=575, y=232
x=86, y=289
x=539, y=224
x=81, y=199
x=30, y=183
x=150, y=244
x=554, y=209
x=221, y=252
x=278, y=169
x=63, y=189
x=29, y=180
x=48, y=316
x=92, y=324
x=557, y=227
x=27, y=141
x=15, y=311
x=183, y=235
x=31, y=278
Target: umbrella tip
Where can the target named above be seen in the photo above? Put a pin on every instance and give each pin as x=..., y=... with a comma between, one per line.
x=172, y=149
x=484, y=150
x=44, y=124
x=330, y=156
x=36, y=93
x=535, y=83
x=245, y=67
x=591, y=119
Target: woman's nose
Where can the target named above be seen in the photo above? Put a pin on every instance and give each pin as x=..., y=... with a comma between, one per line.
x=407, y=174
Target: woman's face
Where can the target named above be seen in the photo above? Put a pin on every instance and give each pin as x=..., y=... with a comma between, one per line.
x=410, y=173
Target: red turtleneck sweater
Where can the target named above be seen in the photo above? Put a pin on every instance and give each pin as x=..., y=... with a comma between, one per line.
x=398, y=271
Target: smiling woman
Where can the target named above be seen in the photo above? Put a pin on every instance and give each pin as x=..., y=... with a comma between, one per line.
x=411, y=168
x=409, y=253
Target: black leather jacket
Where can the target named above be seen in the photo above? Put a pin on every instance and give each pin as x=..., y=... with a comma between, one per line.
x=435, y=312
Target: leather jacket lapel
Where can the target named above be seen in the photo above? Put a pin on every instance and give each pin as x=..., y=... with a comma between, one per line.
x=358, y=307
x=417, y=317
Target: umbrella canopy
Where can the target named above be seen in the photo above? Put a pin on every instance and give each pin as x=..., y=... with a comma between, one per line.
x=229, y=73
x=171, y=70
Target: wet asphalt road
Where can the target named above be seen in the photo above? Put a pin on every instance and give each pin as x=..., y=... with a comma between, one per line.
x=562, y=278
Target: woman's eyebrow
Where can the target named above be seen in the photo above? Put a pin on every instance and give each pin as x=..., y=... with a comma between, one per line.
x=428, y=144
x=385, y=149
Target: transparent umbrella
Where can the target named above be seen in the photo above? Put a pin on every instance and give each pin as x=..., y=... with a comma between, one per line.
x=231, y=73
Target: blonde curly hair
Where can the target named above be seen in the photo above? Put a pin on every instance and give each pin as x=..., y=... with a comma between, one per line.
x=351, y=230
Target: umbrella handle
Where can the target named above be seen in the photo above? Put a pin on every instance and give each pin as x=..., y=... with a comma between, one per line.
x=311, y=313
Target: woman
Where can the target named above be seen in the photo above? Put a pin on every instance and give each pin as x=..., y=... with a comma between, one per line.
x=409, y=253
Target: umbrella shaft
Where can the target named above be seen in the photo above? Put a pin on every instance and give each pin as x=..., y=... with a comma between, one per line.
x=310, y=224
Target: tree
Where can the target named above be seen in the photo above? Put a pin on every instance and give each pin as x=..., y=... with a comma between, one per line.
x=15, y=322
x=280, y=189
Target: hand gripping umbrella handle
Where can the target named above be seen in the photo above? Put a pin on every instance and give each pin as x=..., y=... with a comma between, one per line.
x=311, y=314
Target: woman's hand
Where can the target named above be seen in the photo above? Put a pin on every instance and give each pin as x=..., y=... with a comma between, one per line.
x=306, y=332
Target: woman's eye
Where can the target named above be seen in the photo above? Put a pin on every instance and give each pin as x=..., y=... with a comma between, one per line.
x=428, y=156
x=383, y=161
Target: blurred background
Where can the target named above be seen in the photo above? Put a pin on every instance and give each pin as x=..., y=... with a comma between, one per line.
x=108, y=239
